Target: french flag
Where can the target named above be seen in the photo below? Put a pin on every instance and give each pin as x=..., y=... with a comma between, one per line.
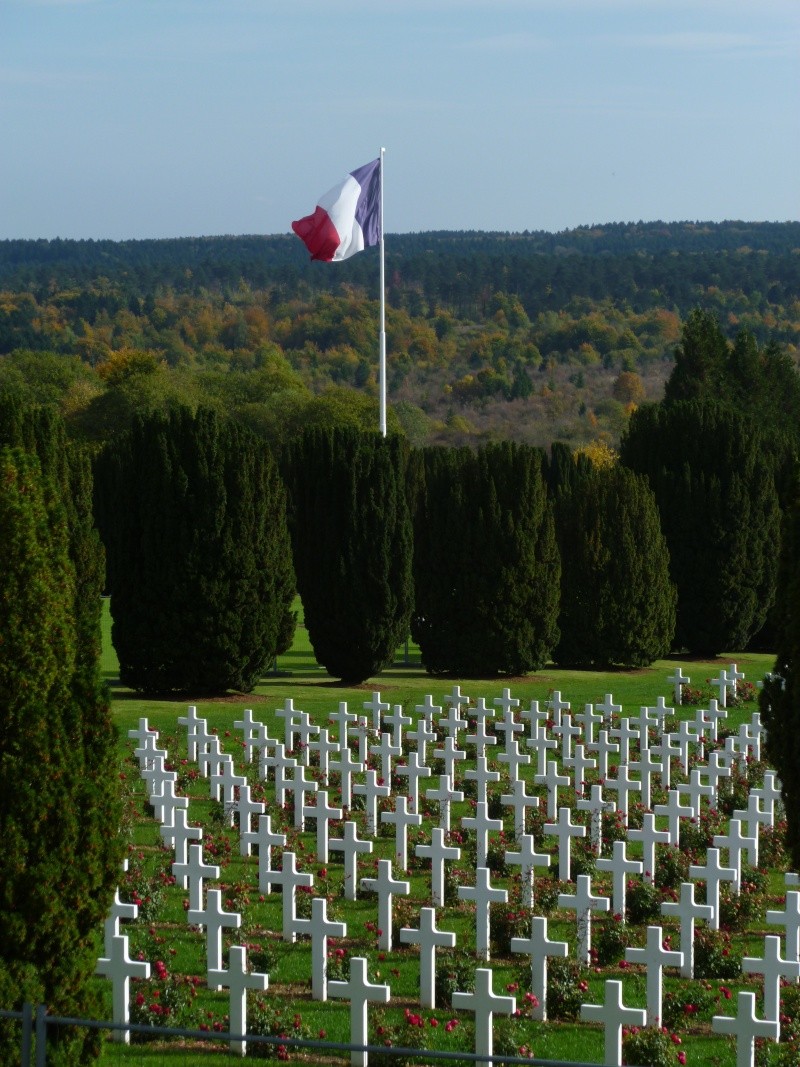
x=347, y=218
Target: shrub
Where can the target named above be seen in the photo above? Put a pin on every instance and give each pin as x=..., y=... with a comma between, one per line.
x=714, y=956
x=643, y=901
x=654, y=1047
x=455, y=971
x=566, y=989
x=611, y=940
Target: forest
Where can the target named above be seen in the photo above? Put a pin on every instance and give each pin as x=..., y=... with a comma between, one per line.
x=531, y=336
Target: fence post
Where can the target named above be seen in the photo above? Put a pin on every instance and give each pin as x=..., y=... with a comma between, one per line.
x=27, y=1034
x=41, y=1035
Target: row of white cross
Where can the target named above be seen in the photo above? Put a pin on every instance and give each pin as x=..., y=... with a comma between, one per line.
x=549, y=728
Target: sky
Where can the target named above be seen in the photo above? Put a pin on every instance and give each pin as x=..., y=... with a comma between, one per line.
x=173, y=118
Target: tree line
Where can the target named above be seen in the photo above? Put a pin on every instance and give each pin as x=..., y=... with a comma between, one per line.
x=495, y=560
x=489, y=335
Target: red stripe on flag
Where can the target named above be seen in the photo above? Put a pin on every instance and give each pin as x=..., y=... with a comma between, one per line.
x=318, y=234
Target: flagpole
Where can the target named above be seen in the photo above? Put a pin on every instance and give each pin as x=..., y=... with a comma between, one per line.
x=382, y=331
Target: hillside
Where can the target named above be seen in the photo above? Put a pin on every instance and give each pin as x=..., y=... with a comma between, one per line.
x=531, y=336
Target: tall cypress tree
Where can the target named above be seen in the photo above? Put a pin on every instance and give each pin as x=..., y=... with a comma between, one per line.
x=59, y=817
x=486, y=563
x=193, y=515
x=780, y=696
x=617, y=598
x=715, y=488
x=352, y=541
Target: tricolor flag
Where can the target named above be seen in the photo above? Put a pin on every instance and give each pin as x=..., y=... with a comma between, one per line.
x=347, y=218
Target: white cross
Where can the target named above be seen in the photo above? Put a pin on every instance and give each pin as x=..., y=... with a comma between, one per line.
x=413, y=770
x=166, y=802
x=513, y=758
x=695, y=790
x=789, y=919
x=623, y=785
x=520, y=801
x=687, y=735
x=564, y=829
x=608, y=709
x=604, y=748
x=539, y=947
x=299, y=785
x=319, y=928
x=251, y=729
x=444, y=795
x=437, y=851
x=120, y=968
x=238, y=981
x=556, y=705
x=290, y=880
x=323, y=813
x=346, y=766
x=583, y=903
x=597, y=807
x=481, y=738
x=387, y=751
x=119, y=910
x=342, y=718
x=450, y=755
x=678, y=679
x=735, y=843
x=352, y=847
x=774, y=969
x=527, y=859
x=484, y=895
x=625, y=733
x=648, y=767
x=402, y=819
x=484, y=1003
x=541, y=744
x=674, y=812
x=397, y=720
x=482, y=825
x=193, y=873
x=720, y=683
x=666, y=749
x=655, y=957
x=376, y=707
x=190, y=721
x=613, y=1015
x=688, y=912
x=215, y=919
x=552, y=780
x=360, y=992
x=566, y=731
x=371, y=790
x=324, y=747
x=534, y=717
x=481, y=775
x=422, y=734
x=180, y=834
x=361, y=732
x=289, y=715
x=453, y=722
x=385, y=885
x=620, y=867
x=428, y=938
x=306, y=729
x=588, y=718
x=266, y=839
x=649, y=837
x=745, y=1027
x=713, y=873
x=246, y=808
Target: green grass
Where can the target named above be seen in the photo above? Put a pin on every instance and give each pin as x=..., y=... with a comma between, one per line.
x=166, y=935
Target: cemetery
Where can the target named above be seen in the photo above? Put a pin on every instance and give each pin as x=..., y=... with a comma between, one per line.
x=577, y=875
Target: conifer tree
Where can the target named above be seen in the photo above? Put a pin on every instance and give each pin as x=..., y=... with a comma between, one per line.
x=486, y=563
x=617, y=598
x=192, y=512
x=352, y=540
x=59, y=816
x=714, y=484
x=780, y=697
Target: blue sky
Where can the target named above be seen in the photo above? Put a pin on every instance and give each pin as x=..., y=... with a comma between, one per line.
x=166, y=118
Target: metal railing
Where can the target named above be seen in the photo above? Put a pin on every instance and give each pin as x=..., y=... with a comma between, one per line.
x=35, y=1024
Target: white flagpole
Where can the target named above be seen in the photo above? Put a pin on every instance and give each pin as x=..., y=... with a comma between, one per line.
x=382, y=332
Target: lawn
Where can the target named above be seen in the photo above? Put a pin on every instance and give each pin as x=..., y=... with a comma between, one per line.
x=163, y=934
